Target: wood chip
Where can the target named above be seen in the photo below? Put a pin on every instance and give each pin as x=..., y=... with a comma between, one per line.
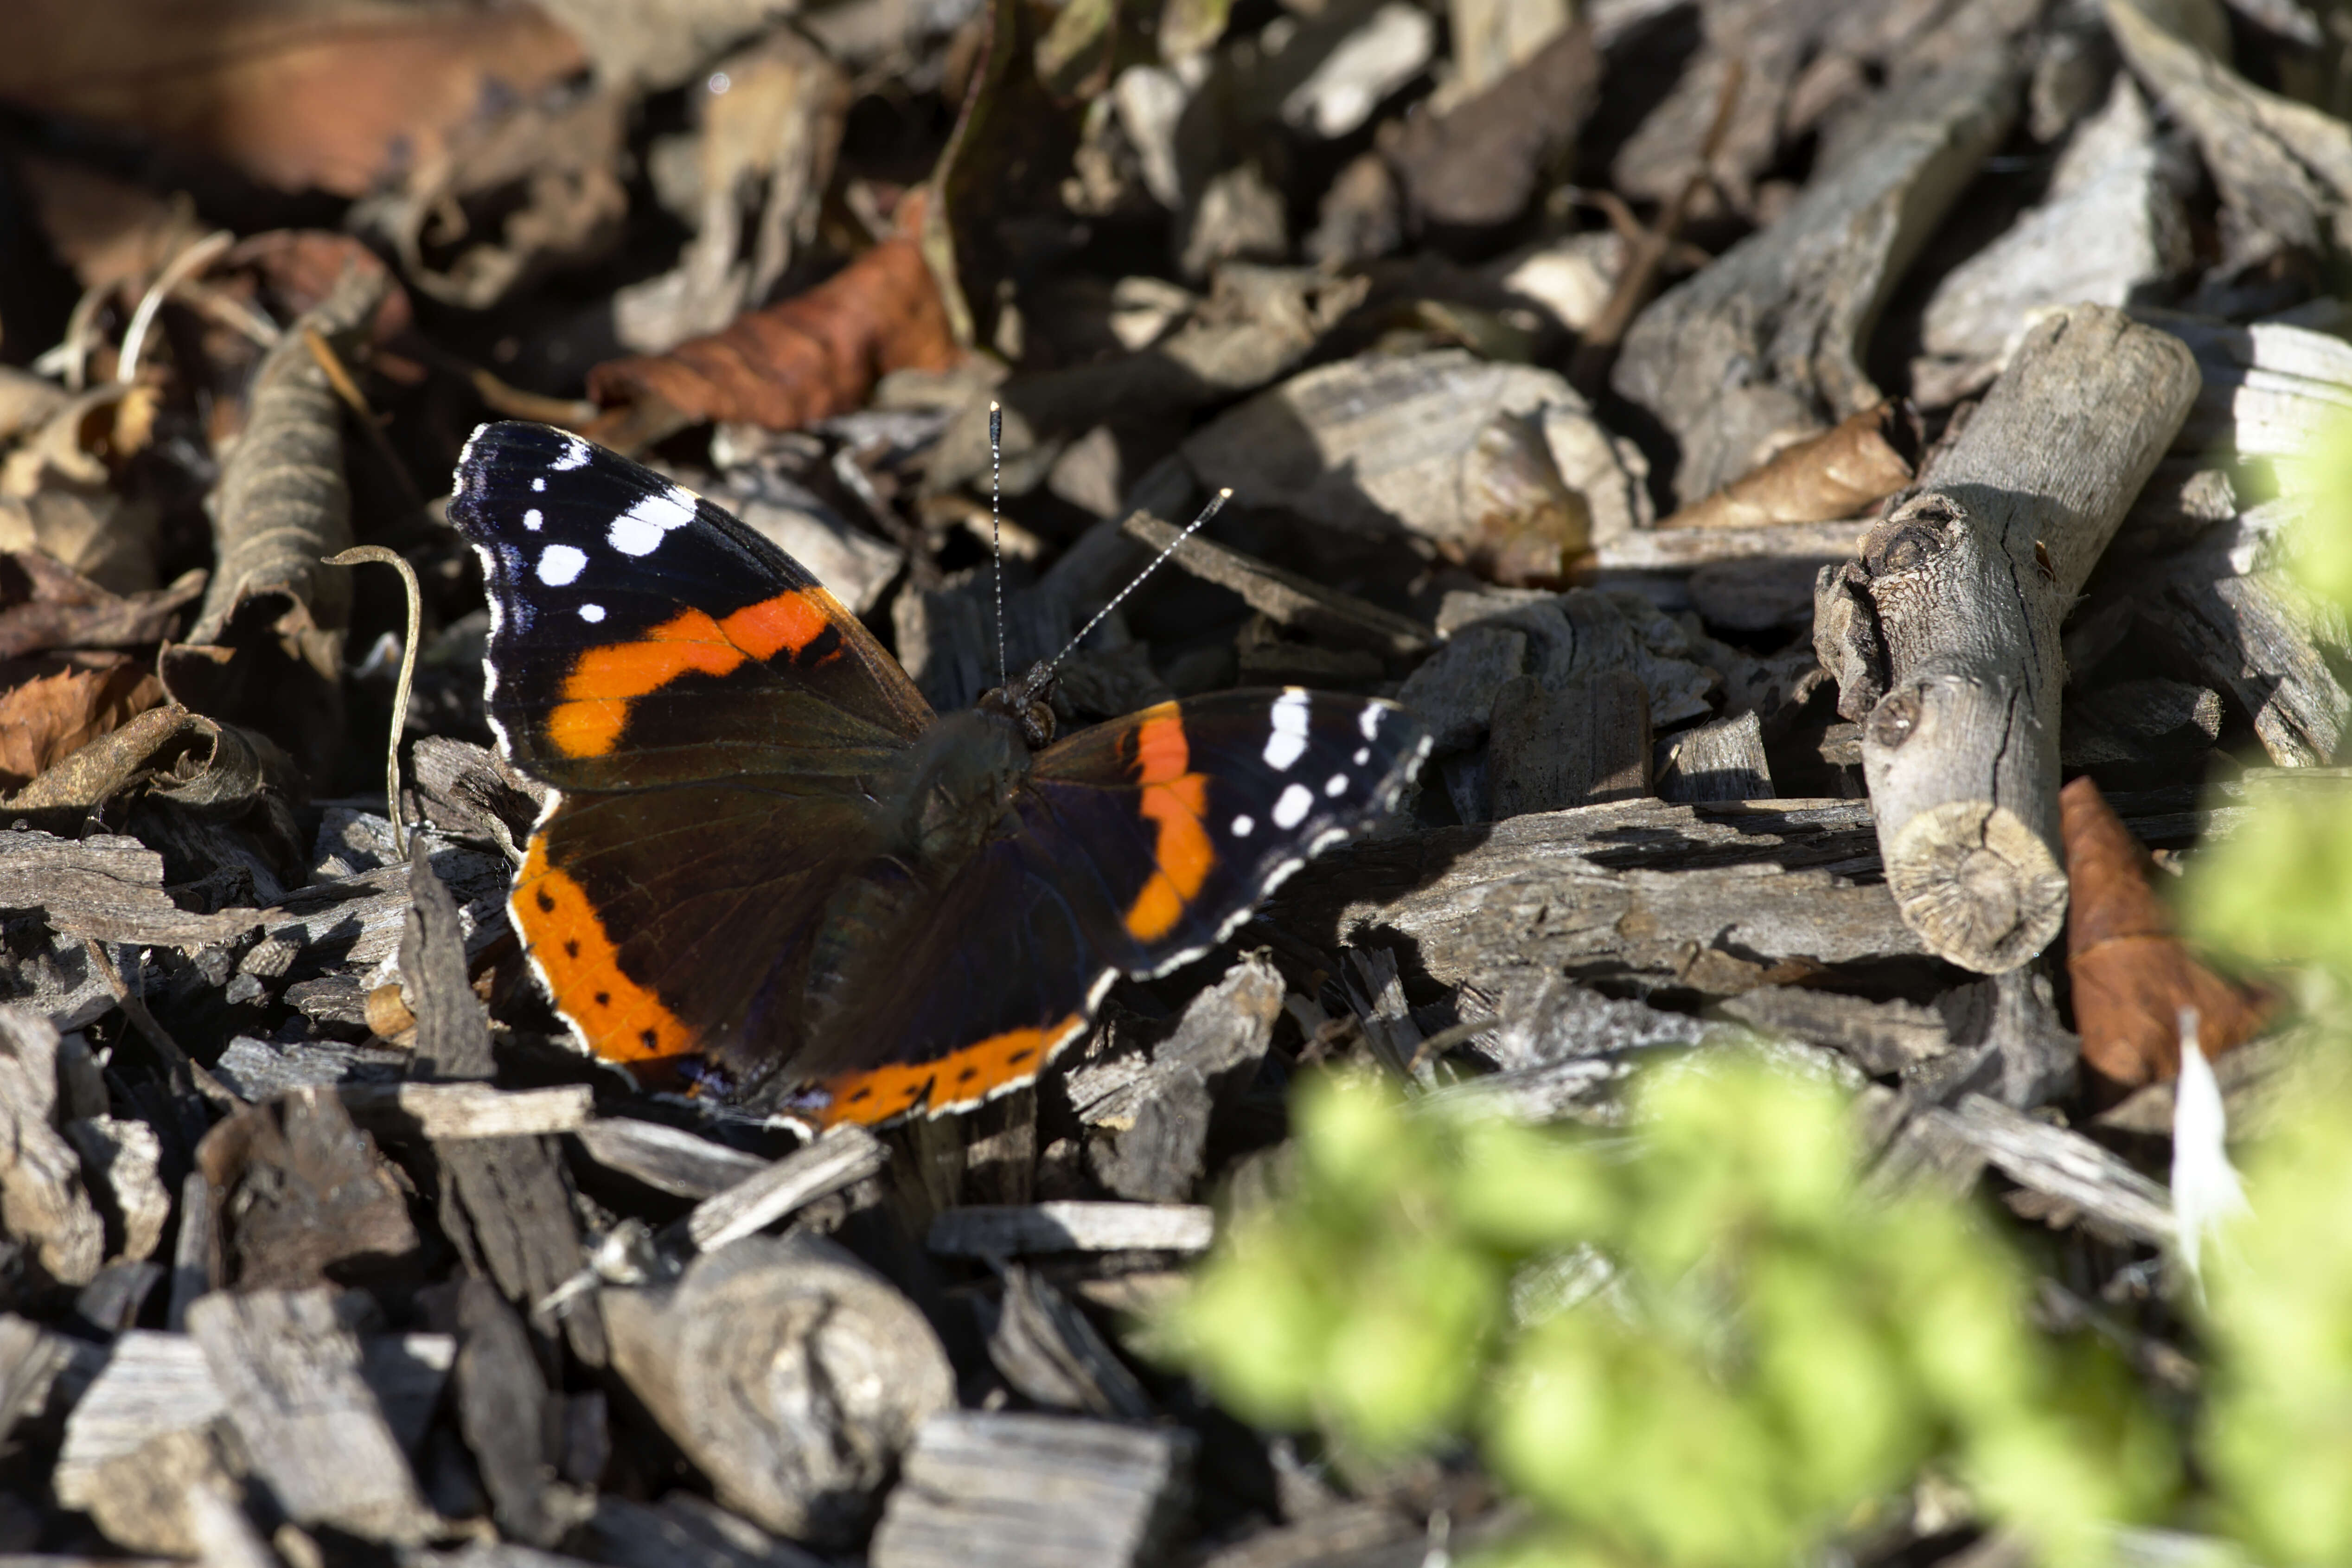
x=1014, y=1231
x=666, y=1157
x=1034, y=1491
x=844, y=1156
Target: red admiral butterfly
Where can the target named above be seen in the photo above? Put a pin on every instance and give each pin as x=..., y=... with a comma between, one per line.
x=768, y=867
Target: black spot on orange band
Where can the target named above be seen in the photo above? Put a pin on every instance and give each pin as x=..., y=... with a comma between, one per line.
x=621, y=1020
x=975, y=1072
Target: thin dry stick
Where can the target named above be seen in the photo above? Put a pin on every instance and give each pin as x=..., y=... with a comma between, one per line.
x=329, y=363
x=185, y=265
x=1646, y=250
x=1029, y=688
x=356, y=554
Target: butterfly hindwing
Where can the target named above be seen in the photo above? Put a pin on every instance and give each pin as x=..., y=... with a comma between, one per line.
x=1132, y=847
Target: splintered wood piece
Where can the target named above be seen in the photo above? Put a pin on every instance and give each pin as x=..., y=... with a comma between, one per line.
x=1587, y=741
x=2131, y=974
x=121, y=1157
x=2257, y=637
x=1760, y=345
x=1034, y=1491
x=685, y=1531
x=504, y=1410
x=1047, y=1349
x=1147, y=1120
x=2065, y=1166
x=288, y=1375
x=1943, y=636
x=109, y=889
x=1838, y=473
x=666, y=1157
x=791, y=1374
x=1720, y=761
x=42, y=1199
x=447, y=1112
x=844, y=1156
x=1287, y=598
x=31, y=1360
x=1715, y=898
x=308, y=1192
x=984, y=1230
x=1883, y=1038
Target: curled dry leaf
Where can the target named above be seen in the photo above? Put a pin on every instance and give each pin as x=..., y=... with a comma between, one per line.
x=336, y=95
x=1863, y=458
x=44, y=604
x=171, y=752
x=2131, y=974
x=52, y=705
x=269, y=635
x=802, y=359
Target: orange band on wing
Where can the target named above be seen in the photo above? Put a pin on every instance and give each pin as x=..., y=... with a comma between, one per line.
x=961, y=1078
x=1175, y=800
x=605, y=680
x=621, y=1020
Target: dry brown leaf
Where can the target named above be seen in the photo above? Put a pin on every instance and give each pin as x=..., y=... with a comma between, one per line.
x=44, y=604
x=800, y=360
x=110, y=232
x=2131, y=974
x=336, y=95
x=52, y=705
x=1863, y=458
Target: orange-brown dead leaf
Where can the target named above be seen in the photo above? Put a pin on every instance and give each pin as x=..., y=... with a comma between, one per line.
x=1822, y=478
x=800, y=360
x=52, y=705
x=2131, y=974
x=335, y=95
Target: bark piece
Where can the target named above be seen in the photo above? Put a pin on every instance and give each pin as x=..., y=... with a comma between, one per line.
x=1723, y=760
x=1452, y=691
x=1499, y=466
x=2111, y=228
x=2157, y=726
x=267, y=647
x=1047, y=1349
x=31, y=1358
x=2268, y=390
x=120, y=1159
x=1883, y=1038
x=472, y=792
x=983, y=1230
x=2285, y=169
x=1150, y=1114
x=288, y=1375
x=1580, y=635
x=1587, y=741
x=666, y=1158
x=142, y=1501
x=1765, y=345
x=42, y=1199
x=791, y=1374
x=1843, y=471
x=1540, y=1018
x=1943, y=636
x=2065, y=1165
x=510, y=1420
x=841, y=1158
x=1039, y=1491
x=107, y=888
x=684, y=1530
x=152, y=1382
x=1716, y=898
x=453, y=1113
x=312, y=1199
x=2132, y=975
x=1476, y=165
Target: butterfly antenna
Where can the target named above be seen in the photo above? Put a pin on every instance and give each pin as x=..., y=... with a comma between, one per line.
x=995, y=516
x=1216, y=504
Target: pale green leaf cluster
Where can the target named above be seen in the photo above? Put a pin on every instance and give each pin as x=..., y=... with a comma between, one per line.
x=1771, y=1350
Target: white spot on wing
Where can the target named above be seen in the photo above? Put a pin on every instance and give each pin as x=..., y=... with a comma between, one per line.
x=1363, y=756
x=591, y=612
x=1336, y=786
x=539, y=482
x=1369, y=721
x=575, y=455
x=1292, y=808
x=532, y=520
x=1288, y=741
x=1244, y=825
x=559, y=564
x=639, y=530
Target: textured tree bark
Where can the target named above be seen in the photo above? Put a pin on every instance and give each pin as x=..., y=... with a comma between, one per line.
x=1944, y=635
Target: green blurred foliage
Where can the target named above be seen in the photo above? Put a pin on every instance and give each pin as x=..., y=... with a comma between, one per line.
x=2278, y=1431
x=1759, y=1349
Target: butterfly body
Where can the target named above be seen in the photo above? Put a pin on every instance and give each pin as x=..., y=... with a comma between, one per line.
x=768, y=867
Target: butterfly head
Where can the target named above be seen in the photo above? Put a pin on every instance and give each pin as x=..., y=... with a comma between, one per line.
x=1028, y=704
